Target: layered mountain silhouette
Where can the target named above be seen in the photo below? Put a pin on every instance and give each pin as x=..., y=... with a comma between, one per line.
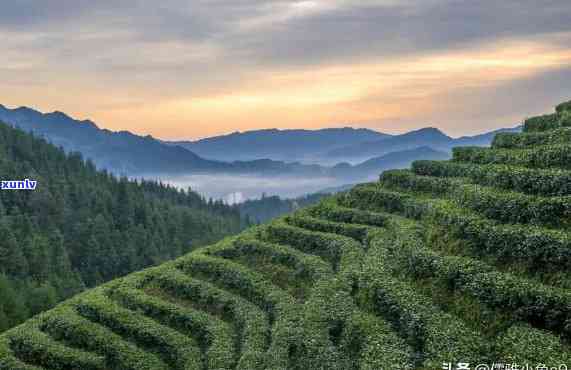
x=126, y=153
x=325, y=152
x=430, y=136
x=400, y=159
x=121, y=151
x=280, y=144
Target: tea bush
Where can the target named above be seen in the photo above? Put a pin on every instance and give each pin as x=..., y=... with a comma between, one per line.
x=549, y=156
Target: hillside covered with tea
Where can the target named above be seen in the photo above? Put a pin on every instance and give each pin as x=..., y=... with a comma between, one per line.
x=464, y=260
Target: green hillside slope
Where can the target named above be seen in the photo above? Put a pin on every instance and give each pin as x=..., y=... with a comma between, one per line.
x=456, y=261
x=81, y=227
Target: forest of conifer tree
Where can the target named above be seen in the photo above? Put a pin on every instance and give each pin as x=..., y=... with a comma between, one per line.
x=82, y=227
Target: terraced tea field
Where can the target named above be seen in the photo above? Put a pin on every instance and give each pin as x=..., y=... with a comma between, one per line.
x=465, y=260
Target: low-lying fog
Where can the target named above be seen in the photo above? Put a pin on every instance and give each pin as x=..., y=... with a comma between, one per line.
x=238, y=188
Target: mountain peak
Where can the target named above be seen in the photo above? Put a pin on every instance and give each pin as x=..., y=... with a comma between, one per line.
x=23, y=109
x=59, y=115
x=423, y=147
x=89, y=123
x=428, y=133
x=429, y=130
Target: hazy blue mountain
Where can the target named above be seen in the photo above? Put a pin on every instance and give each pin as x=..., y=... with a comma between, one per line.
x=121, y=152
x=483, y=139
x=126, y=153
x=428, y=137
x=371, y=168
x=253, y=152
x=298, y=145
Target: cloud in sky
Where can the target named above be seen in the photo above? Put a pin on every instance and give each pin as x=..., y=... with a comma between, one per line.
x=180, y=69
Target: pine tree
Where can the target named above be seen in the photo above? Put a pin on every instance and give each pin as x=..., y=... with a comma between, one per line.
x=60, y=264
x=38, y=253
x=128, y=260
x=11, y=304
x=12, y=259
x=124, y=215
x=105, y=258
x=4, y=322
x=41, y=298
x=89, y=263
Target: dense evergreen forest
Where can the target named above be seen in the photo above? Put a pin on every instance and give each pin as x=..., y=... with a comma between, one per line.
x=82, y=227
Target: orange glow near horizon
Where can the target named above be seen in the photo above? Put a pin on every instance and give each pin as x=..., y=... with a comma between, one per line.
x=392, y=95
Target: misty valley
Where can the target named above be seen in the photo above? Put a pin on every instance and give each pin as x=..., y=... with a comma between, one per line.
x=246, y=165
x=234, y=189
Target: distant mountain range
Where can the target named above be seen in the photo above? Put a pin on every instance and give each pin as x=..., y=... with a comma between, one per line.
x=121, y=152
x=343, y=153
x=428, y=137
x=126, y=153
x=283, y=145
x=370, y=169
x=327, y=146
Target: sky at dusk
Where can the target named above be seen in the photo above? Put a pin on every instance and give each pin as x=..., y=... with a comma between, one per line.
x=189, y=69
